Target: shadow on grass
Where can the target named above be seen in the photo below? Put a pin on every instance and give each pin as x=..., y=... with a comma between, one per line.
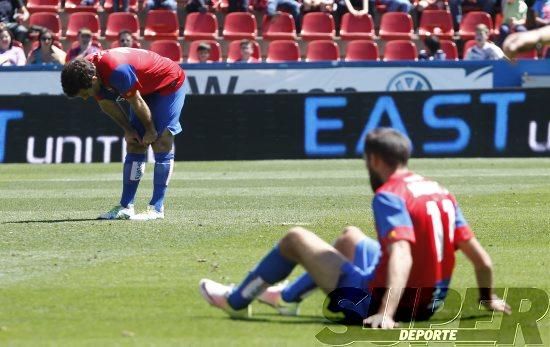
x=52, y=220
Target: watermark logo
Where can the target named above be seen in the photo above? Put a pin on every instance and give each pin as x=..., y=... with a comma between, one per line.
x=460, y=319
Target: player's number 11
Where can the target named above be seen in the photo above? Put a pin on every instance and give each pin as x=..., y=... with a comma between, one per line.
x=437, y=223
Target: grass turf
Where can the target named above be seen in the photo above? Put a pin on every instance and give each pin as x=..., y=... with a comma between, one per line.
x=69, y=280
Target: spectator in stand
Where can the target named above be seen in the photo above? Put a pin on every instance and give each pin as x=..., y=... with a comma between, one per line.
x=12, y=15
x=125, y=39
x=246, y=52
x=456, y=9
x=433, y=50
x=431, y=5
x=85, y=45
x=201, y=6
x=291, y=6
x=46, y=53
x=514, y=15
x=203, y=52
x=161, y=5
x=483, y=49
x=238, y=6
x=10, y=55
x=319, y=6
x=541, y=9
x=125, y=6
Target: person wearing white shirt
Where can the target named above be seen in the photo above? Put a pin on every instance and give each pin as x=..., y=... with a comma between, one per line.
x=483, y=49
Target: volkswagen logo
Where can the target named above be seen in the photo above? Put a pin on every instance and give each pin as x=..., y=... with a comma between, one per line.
x=408, y=81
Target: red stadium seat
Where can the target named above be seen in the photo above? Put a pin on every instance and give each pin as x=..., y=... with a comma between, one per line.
x=467, y=46
x=72, y=6
x=528, y=55
x=132, y=5
x=135, y=44
x=396, y=26
x=118, y=21
x=436, y=22
x=357, y=27
x=81, y=20
x=48, y=20
x=161, y=25
x=280, y=51
x=318, y=26
x=215, y=51
x=449, y=47
x=239, y=25
x=400, y=50
x=470, y=21
x=168, y=48
x=234, y=51
x=358, y=50
x=200, y=26
x=322, y=50
x=546, y=52
x=281, y=27
x=43, y=6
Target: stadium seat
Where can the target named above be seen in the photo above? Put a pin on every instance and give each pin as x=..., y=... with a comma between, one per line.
x=396, y=26
x=357, y=27
x=132, y=5
x=467, y=45
x=359, y=50
x=80, y=20
x=280, y=51
x=168, y=48
x=161, y=25
x=281, y=27
x=135, y=44
x=318, y=26
x=215, y=51
x=73, y=6
x=322, y=50
x=239, y=25
x=200, y=26
x=48, y=20
x=528, y=55
x=470, y=21
x=546, y=52
x=234, y=51
x=118, y=21
x=449, y=47
x=43, y=6
x=400, y=50
x=436, y=22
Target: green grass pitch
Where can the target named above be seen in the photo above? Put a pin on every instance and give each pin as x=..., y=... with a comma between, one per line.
x=69, y=280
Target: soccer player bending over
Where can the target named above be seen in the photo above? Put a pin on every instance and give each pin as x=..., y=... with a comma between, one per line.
x=153, y=86
x=419, y=226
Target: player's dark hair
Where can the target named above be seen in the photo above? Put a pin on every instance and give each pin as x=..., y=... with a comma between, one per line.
x=393, y=147
x=77, y=75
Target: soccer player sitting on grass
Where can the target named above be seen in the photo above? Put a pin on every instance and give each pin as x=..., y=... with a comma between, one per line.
x=419, y=226
x=153, y=86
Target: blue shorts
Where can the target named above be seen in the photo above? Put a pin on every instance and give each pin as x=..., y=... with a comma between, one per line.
x=165, y=111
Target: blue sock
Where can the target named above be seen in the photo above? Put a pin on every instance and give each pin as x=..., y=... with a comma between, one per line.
x=271, y=269
x=296, y=290
x=163, y=168
x=134, y=167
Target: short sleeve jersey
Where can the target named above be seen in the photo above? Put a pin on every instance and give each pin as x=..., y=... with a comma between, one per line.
x=124, y=71
x=422, y=212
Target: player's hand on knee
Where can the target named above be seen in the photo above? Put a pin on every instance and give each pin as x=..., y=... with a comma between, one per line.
x=132, y=137
x=150, y=136
x=380, y=321
x=497, y=304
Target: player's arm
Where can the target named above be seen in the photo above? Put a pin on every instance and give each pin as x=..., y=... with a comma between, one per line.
x=399, y=268
x=524, y=41
x=113, y=110
x=483, y=266
x=143, y=113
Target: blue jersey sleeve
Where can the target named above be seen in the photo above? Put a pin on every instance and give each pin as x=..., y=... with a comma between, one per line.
x=124, y=80
x=460, y=220
x=392, y=217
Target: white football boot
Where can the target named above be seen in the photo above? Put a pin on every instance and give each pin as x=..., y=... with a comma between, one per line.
x=272, y=297
x=216, y=295
x=119, y=212
x=150, y=214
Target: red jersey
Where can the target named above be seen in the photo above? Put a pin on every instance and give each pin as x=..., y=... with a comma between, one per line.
x=123, y=71
x=410, y=207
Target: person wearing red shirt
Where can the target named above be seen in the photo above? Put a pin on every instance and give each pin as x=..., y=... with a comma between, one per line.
x=154, y=88
x=419, y=226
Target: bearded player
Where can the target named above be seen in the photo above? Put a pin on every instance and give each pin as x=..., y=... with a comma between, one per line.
x=419, y=226
x=154, y=88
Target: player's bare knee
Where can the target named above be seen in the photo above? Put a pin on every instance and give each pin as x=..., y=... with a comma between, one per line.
x=350, y=229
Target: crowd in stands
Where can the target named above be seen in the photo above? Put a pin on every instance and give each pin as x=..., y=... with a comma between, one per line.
x=52, y=32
